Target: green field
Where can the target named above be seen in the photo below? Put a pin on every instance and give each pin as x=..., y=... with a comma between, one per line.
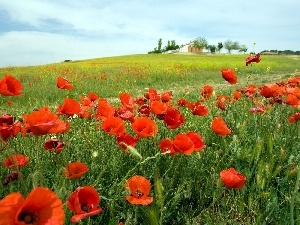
x=186, y=188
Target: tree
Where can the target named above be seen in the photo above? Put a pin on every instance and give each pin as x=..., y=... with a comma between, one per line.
x=159, y=44
x=200, y=43
x=212, y=48
x=231, y=45
x=220, y=46
x=243, y=48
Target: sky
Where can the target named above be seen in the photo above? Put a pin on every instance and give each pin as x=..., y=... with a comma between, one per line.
x=38, y=32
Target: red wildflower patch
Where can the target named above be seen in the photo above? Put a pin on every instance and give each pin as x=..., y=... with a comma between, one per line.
x=144, y=127
x=127, y=101
x=15, y=160
x=197, y=140
x=139, y=188
x=183, y=144
x=229, y=75
x=10, y=86
x=220, y=127
x=271, y=90
x=198, y=109
x=158, y=107
x=42, y=206
x=43, y=121
x=253, y=58
x=232, y=179
x=75, y=170
x=166, y=145
x=166, y=96
x=113, y=125
x=84, y=202
x=125, y=140
x=63, y=83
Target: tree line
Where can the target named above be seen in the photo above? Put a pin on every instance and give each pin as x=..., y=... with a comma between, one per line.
x=229, y=45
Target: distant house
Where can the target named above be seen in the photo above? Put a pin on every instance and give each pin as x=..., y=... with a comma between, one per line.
x=189, y=48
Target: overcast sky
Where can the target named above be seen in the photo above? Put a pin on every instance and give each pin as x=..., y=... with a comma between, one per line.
x=34, y=32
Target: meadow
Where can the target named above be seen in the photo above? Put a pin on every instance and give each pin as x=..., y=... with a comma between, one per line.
x=179, y=176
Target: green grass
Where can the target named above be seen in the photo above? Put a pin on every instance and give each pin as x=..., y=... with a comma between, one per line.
x=186, y=188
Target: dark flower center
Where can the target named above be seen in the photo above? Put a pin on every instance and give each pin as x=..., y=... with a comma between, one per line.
x=86, y=208
x=139, y=193
x=28, y=217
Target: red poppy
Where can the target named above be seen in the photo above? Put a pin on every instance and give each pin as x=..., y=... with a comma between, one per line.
x=293, y=118
x=104, y=109
x=232, y=179
x=15, y=160
x=223, y=101
x=292, y=100
x=10, y=86
x=197, y=140
x=84, y=202
x=63, y=83
x=166, y=145
x=258, y=109
x=237, y=95
x=75, y=170
x=158, y=107
x=144, y=127
x=42, y=206
x=14, y=175
x=182, y=102
x=93, y=96
x=219, y=127
x=113, y=125
x=144, y=111
x=69, y=108
x=198, y=109
x=7, y=119
x=139, y=188
x=125, y=114
x=166, y=96
x=9, y=131
x=229, y=75
x=152, y=94
x=271, y=90
x=54, y=145
x=127, y=101
x=207, y=91
x=183, y=144
x=253, y=58
x=125, y=140
x=173, y=118
x=43, y=121
x=250, y=91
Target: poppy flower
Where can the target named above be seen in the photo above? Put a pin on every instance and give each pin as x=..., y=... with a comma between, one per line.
x=125, y=140
x=182, y=102
x=232, y=178
x=43, y=121
x=152, y=94
x=10, y=86
x=104, y=109
x=237, y=95
x=220, y=127
x=84, y=202
x=144, y=127
x=183, y=144
x=7, y=119
x=229, y=75
x=125, y=114
x=197, y=140
x=69, y=108
x=41, y=206
x=253, y=58
x=223, y=101
x=166, y=145
x=166, y=96
x=75, y=170
x=293, y=118
x=63, y=83
x=144, y=110
x=139, y=188
x=93, y=96
x=158, y=107
x=173, y=118
x=54, y=145
x=15, y=160
x=292, y=100
x=127, y=101
x=271, y=90
x=113, y=125
x=198, y=109
x=207, y=91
